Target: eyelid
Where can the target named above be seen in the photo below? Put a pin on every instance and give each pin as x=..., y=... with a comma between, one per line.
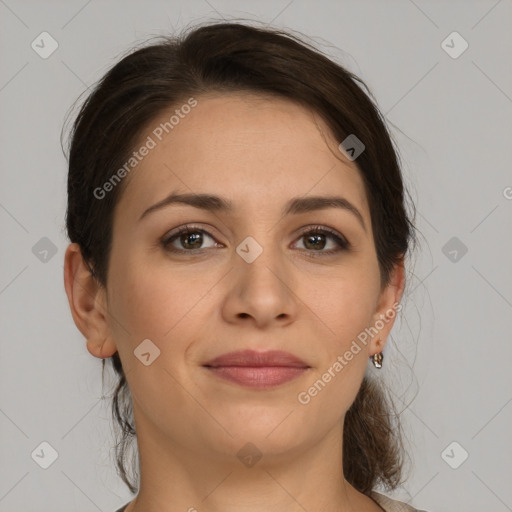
x=323, y=229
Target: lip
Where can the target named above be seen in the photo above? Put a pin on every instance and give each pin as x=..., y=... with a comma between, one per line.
x=256, y=359
x=257, y=370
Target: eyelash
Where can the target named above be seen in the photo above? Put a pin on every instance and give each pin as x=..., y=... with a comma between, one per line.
x=315, y=230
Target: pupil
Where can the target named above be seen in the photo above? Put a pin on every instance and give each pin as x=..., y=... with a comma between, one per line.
x=194, y=236
x=314, y=237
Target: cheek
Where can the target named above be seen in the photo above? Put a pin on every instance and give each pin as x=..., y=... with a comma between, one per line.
x=151, y=302
x=345, y=312
x=148, y=305
x=344, y=304
x=349, y=319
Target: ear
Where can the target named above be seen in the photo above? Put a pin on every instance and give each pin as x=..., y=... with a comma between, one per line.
x=88, y=303
x=387, y=309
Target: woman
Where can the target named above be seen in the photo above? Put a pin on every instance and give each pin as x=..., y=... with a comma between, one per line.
x=238, y=233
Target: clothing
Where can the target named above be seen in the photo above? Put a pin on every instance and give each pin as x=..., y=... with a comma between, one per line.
x=386, y=503
x=390, y=505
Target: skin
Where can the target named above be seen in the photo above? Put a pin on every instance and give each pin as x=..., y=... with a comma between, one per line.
x=258, y=152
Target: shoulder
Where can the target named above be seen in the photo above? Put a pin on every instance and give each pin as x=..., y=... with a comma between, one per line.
x=122, y=508
x=390, y=505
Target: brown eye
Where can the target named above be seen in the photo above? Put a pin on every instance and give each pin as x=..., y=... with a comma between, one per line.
x=315, y=241
x=189, y=238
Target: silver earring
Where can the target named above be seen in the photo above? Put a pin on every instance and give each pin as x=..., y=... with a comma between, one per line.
x=377, y=360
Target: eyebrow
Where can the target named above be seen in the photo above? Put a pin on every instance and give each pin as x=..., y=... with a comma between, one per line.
x=295, y=206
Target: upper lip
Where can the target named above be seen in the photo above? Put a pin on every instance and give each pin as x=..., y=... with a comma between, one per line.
x=253, y=358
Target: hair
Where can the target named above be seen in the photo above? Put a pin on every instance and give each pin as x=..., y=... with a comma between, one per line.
x=230, y=58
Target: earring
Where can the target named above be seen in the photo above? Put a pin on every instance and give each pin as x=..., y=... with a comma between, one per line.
x=377, y=360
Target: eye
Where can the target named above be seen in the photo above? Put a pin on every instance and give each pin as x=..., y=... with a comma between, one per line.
x=190, y=238
x=315, y=240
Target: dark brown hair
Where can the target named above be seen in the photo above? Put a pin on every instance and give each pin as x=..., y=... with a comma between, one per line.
x=229, y=58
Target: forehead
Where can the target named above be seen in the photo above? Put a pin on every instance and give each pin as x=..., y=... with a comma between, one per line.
x=250, y=148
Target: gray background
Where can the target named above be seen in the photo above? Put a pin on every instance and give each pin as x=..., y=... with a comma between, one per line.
x=450, y=351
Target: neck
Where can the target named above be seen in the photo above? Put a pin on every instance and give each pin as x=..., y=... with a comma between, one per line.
x=193, y=478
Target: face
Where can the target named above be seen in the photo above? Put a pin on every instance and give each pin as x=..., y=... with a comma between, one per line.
x=249, y=277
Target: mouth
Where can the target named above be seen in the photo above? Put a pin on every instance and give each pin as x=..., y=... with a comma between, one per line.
x=257, y=370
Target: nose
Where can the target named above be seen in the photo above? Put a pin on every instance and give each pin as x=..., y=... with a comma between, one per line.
x=262, y=291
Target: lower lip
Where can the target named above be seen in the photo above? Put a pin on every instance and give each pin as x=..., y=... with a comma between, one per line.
x=262, y=377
